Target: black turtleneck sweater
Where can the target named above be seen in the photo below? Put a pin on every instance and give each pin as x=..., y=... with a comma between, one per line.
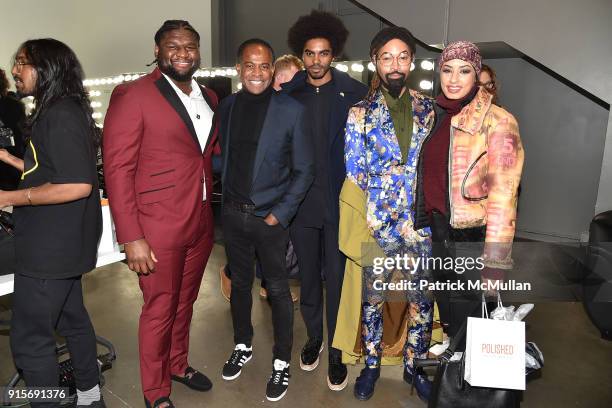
x=248, y=115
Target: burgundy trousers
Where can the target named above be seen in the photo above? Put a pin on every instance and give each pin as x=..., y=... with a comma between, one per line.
x=169, y=294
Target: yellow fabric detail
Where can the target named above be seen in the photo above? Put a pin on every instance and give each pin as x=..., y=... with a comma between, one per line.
x=25, y=173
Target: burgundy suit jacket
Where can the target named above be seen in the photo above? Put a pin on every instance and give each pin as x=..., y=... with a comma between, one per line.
x=154, y=167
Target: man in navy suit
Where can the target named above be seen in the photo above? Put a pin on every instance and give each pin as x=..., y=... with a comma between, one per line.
x=267, y=168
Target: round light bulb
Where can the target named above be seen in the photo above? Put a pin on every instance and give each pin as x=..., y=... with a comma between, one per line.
x=427, y=65
x=425, y=84
x=356, y=67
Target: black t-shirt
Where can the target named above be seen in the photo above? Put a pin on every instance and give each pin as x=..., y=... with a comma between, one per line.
x=61, y=240
x=248, y=116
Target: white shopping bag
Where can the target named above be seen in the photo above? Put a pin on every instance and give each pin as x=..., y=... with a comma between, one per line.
x=495, y=353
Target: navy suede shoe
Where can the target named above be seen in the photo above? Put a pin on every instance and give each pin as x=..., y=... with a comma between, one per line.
x=365, y=383
x=420, y=382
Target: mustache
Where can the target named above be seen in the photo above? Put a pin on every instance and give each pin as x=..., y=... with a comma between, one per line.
x=395, y=72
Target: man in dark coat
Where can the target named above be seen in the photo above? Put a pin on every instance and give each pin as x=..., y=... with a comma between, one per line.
x=327, y=95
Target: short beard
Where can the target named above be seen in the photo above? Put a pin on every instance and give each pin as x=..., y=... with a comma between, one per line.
x=395, y=85
x=169, y=70
x=20, y=95
x=325, y=71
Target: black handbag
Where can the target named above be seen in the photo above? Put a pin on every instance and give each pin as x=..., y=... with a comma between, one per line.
x=450, y=390
x=7, y=244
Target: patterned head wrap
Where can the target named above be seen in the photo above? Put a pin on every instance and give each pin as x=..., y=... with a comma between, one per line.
x=463, y=50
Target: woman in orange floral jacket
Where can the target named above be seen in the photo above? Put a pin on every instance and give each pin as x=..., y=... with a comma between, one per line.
x=468, y=175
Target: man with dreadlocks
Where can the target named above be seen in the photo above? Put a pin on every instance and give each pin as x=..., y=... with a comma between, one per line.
x=384, y=134
x=58, y=221
x=159, y=136
x=327, y=94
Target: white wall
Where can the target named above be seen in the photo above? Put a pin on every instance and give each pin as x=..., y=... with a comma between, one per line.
x=109, y=37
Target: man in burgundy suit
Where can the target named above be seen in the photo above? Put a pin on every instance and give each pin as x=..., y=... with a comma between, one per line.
x=159, y=136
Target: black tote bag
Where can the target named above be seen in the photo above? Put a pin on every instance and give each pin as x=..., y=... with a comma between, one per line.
x=450, y=390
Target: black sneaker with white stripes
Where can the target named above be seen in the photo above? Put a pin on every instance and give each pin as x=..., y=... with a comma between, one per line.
x=279, y=381
x=233, y=367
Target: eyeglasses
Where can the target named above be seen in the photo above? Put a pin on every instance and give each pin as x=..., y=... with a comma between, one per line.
x=386, y=59
x=19, y=64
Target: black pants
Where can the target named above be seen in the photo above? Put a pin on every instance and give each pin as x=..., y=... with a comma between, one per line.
x=456, y=306
x=316, y=248
x=40, y=307
x=228, y=273
x=246, y=236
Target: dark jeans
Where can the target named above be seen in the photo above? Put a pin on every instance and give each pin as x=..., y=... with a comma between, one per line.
x=246, y=236
x=316, y=248
x=40, y=307
x=456, y=306
x=228, y=273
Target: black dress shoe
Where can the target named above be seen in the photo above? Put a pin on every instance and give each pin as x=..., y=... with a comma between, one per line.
x=194, y=380
x=309, y=358
x=158, y=402
x=337, y=375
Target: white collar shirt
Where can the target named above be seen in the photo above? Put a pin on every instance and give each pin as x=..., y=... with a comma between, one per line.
x=200, y=113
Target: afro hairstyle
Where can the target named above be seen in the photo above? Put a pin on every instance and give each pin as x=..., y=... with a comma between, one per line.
x=317, y=24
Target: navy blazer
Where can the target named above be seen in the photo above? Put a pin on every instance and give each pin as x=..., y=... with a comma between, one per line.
x=348, y=92
x=283, y=169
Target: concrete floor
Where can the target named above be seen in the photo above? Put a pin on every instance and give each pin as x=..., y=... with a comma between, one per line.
x=578, y=371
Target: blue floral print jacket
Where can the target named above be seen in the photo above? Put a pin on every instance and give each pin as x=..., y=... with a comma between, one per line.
x=374, y=163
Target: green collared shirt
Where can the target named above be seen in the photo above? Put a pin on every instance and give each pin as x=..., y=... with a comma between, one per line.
x=401, y=114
